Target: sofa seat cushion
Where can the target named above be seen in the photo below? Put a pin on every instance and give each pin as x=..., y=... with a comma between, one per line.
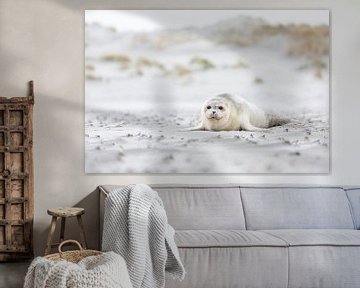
x=323, y=258
x=233, y=267
x=317, y=237
x=226, y=238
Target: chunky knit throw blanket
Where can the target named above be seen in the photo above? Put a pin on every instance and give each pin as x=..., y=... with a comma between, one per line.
x=103, y=271
x=136, y=227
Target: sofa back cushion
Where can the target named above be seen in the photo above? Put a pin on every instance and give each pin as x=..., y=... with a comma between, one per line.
x=296, y=208
x=203, y=208
x=354, y=198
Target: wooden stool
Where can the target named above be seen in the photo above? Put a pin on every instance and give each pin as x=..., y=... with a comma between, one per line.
x=64, y=213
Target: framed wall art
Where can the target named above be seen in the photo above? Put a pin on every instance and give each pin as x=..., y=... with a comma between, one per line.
x=207, y=91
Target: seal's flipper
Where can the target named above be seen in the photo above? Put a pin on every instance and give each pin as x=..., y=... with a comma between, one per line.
x=199, y=127
x=247, y=126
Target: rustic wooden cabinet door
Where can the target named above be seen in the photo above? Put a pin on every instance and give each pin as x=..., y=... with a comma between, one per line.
x=16, y=177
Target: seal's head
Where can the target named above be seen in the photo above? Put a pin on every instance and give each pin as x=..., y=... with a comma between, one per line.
x=216, y=113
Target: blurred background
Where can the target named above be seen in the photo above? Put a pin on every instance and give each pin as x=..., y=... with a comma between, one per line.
x=194, y=54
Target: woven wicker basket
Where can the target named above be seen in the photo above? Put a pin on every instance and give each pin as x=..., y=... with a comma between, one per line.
x=72, y=256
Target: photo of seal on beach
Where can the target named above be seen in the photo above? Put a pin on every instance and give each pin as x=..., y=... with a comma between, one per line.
x=207, y=91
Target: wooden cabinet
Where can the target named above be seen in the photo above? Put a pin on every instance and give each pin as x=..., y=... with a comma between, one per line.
x=16, y=177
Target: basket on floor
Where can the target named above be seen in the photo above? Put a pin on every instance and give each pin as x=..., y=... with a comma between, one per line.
x=72, y=256
x=81, y=268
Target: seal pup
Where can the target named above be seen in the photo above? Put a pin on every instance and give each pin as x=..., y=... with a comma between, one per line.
x=224, y=112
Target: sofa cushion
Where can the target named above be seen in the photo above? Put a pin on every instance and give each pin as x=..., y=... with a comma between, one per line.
x=296, y=208
x=220, y=267
x=324, y=266
x=322, y=258
x=354, y=198
x=226, y=238
x=309, y=237
x=199, y=207
x=191, y=208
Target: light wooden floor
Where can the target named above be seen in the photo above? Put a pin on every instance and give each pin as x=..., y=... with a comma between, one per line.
x=12, y=274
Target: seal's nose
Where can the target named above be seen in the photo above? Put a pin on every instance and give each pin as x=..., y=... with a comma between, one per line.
x=213, y=111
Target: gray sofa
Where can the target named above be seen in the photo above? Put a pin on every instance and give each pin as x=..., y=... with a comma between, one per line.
x=256, y=236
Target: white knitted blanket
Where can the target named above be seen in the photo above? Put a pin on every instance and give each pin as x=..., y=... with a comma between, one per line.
x=103, y=271
x=136, y=227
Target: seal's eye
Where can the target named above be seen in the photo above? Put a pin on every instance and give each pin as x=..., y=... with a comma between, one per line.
x=221, y=108
x=208, y=107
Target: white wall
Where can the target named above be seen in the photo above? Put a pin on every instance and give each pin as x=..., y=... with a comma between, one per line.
x=44, y=41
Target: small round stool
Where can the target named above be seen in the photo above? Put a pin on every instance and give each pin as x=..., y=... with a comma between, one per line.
x=64, y=213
